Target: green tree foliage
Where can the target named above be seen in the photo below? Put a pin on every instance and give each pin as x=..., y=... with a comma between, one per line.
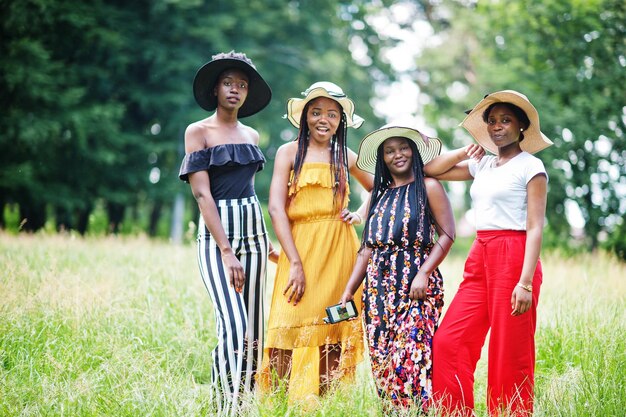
x=96, y=95
x=63, y=139
x=569, y=58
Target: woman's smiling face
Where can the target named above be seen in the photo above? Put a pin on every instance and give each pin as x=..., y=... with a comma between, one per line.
x=398, y=156
x=323, y=118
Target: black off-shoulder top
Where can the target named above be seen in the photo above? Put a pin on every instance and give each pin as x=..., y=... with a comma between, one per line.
x=231, y=168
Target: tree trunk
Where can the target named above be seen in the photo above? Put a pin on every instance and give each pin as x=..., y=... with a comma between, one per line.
x=82, y=219
x=3, y=224
x=178, y=211
x=32, y=215
x=62, y=218
x=155, y=215
x=115, y=213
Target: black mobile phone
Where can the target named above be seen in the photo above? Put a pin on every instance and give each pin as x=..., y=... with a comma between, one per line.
x=337, y=313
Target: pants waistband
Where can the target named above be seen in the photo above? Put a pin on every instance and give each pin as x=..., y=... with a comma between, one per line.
x=496, y=233
x=485, y=236
x=237, y=202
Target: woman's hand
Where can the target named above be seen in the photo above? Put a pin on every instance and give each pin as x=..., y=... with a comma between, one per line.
x=419, y=286
x=521, y=300
x=474, y=151
x=295, y=285
x=346, y=296
x=235, y=271
x=273, y=254
x=351, y=217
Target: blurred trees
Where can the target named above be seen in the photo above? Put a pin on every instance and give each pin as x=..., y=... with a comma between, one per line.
x=96, y=95
x=569, y=58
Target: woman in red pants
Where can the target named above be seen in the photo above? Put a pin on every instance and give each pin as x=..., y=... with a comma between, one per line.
x=502, y=276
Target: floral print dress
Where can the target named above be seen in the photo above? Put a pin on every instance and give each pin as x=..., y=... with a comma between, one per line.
x=400, y=330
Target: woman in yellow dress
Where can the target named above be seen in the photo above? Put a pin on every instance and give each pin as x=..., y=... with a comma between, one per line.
x=308, y=203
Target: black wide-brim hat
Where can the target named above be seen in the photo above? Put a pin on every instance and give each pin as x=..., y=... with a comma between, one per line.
x=259, y=92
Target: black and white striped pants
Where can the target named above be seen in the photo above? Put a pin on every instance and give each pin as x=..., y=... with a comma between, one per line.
x=238, y=316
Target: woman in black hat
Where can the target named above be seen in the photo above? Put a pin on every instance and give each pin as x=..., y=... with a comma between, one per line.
x=222, y=157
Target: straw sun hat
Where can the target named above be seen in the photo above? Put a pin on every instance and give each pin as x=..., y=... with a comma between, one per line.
x=428, y=148
x=259, y=93
x=295, y=106
x=534, y=140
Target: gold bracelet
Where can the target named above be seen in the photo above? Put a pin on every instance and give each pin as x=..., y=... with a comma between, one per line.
x=528, y=288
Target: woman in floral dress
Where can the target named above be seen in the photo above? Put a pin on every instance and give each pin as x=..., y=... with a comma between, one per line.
x=403, y=291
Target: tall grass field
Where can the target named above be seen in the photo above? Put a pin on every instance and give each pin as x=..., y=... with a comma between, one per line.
x=115, y=326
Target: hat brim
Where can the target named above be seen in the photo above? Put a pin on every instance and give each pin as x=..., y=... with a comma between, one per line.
x=428, y=148
x=259, y=92
x=534, y=140
x=295, y=106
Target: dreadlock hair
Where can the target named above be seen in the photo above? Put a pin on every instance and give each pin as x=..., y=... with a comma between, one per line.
x=382, y=181
x=338, y=156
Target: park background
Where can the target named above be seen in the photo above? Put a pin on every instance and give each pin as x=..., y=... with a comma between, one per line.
x=101, y=307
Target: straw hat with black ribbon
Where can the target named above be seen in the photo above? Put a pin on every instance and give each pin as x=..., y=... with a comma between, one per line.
x=295, y=106
x=428, y=148
x=259, y=92
x=534, y=140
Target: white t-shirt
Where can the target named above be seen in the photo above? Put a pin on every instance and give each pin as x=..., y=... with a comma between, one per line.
x=499, y=195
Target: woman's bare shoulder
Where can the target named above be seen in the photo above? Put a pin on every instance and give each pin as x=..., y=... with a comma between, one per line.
x=287, y=150
x=206, y=130
x=433, y=185
x=250, y=133
x=196, y=136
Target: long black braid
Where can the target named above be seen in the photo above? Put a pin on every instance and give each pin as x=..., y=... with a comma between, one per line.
x=338, y=155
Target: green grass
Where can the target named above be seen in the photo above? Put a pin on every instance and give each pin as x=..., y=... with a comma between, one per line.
x=124, y=327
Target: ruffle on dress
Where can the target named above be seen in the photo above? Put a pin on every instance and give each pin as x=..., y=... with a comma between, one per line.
x=221, y=155
x=317, y=173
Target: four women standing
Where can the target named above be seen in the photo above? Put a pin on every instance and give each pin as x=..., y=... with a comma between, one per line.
x=399, y=256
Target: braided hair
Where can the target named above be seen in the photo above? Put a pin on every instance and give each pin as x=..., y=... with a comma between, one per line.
x=382, y=181
x=338, y=156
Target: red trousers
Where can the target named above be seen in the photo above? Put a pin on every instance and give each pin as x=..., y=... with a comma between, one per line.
x=483, y=302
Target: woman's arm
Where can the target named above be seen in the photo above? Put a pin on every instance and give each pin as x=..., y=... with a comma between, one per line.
x=446, y=233
x=201, y=189
x=453, y=165
x=357, y=275
x=277, y=208
x=273, y=253
x=367, y=182
x=537, y=188
x=253, y=136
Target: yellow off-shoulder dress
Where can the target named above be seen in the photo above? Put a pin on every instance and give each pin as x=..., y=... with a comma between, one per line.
x=327, y=247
